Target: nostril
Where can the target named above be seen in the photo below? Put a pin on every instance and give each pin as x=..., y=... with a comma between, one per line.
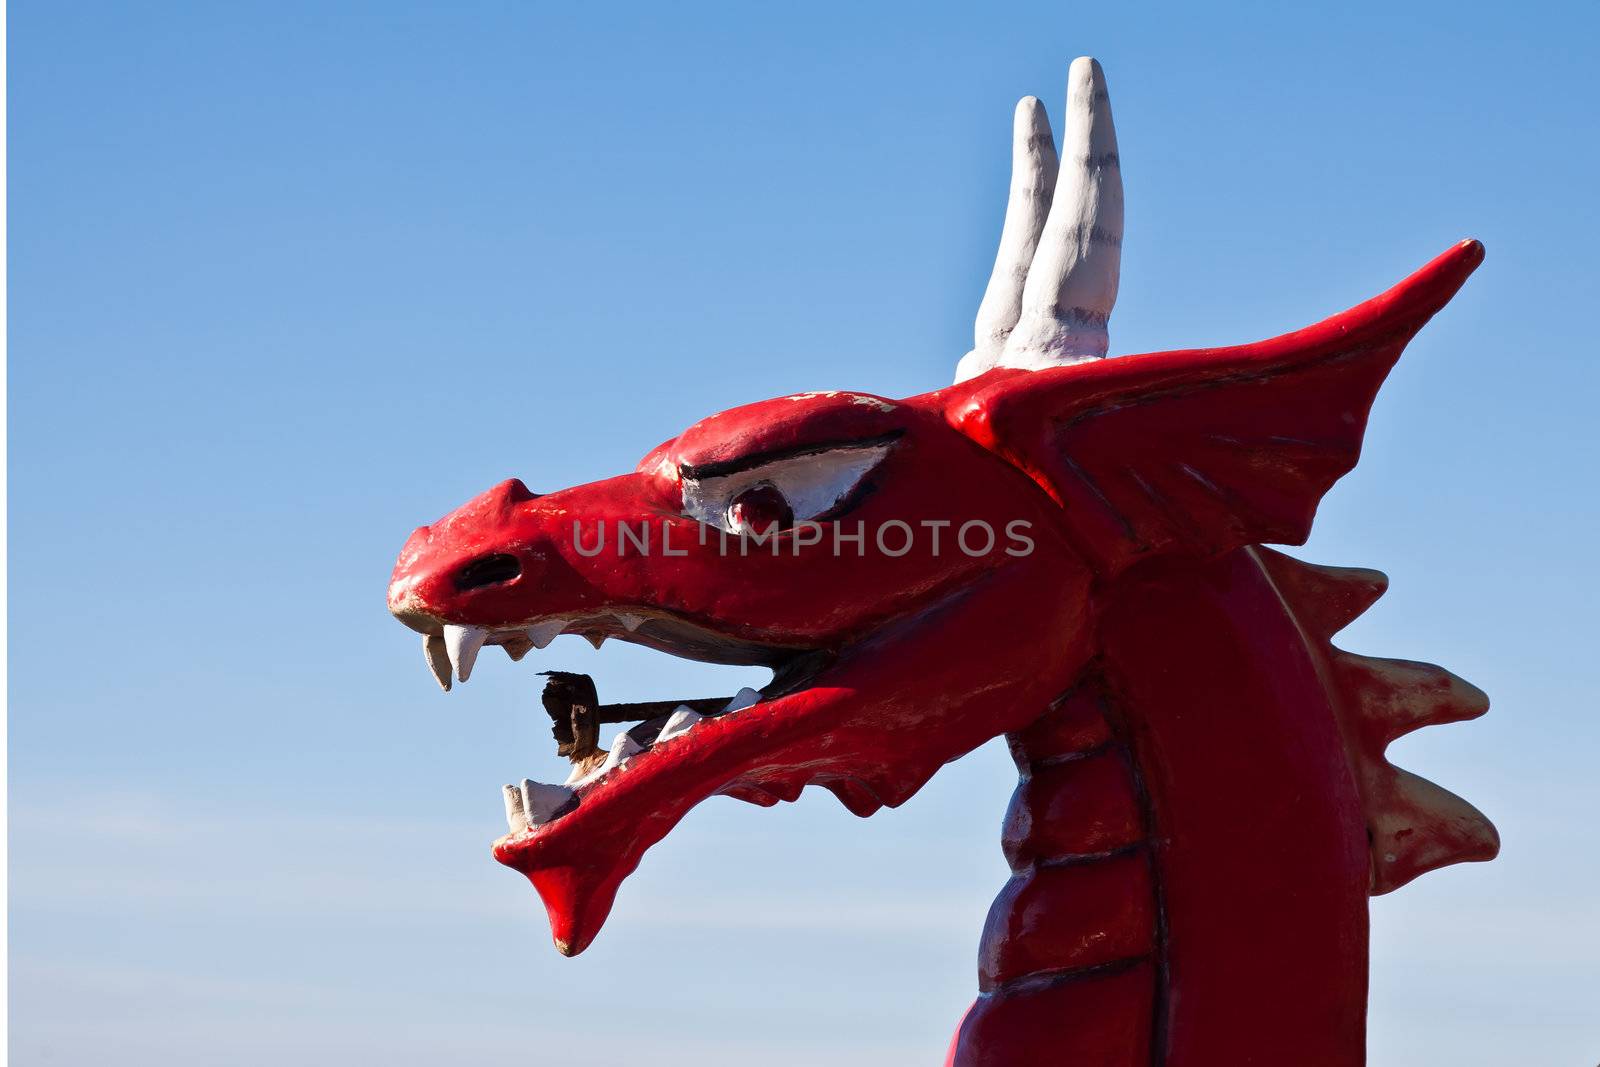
x=490, y=570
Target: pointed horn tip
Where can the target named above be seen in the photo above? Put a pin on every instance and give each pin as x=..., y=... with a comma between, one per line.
x=1031, y=119
x=1087, y=68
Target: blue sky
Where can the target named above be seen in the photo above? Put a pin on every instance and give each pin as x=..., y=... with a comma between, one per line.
x=289, y=279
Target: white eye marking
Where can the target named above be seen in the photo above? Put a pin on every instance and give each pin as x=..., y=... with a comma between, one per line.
x=811, y=483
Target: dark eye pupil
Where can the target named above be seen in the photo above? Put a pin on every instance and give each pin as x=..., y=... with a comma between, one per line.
x=758, y=509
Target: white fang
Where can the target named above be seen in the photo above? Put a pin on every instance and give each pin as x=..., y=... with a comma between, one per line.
x=461, y=644
x=541, y=801
x=516, y=815
x=679, y=723
x=438, y=659
x=542, y=633
x=744, y=698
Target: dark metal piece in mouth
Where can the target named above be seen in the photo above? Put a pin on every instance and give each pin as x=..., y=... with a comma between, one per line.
x=571, y=702
x=575, y=711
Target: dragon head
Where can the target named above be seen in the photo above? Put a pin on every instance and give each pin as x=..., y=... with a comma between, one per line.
x=920, y=574
x=804, y=534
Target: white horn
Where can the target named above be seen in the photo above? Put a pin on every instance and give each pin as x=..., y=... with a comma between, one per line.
x=1033, y=180
x=1071, y=281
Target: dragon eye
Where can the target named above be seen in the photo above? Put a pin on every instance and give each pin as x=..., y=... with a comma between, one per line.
x=750, y=497
x=759, y=509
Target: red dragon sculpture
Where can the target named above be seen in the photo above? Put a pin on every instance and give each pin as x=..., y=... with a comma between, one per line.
x=1060, y=548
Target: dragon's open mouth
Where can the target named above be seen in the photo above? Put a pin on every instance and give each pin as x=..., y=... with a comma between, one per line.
x=675, y=752
x=577, y=714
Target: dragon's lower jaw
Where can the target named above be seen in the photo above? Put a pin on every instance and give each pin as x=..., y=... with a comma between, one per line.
x=855, y=728
x=578, y=857
x=576, y=841
x=589, y=836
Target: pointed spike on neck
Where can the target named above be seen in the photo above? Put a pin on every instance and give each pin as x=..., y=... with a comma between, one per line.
x=1419, y=827
x=1324, y=599
x=1392, y=697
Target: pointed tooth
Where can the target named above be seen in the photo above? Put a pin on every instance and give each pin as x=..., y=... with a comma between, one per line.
x=623, y=748
x=542, y=633
x=516, y=814
x=596, y=640
x=681, y=720
x=438, y=659
x=744, y=698
x=462, y=643
x=542, y=801
x=516, y=645
x=630, y=622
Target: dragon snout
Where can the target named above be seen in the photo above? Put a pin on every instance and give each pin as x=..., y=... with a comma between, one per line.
x=430, y=586
x=470, y=551
x=406, y=599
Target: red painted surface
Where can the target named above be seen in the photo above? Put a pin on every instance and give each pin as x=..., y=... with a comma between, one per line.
x=1201, y=770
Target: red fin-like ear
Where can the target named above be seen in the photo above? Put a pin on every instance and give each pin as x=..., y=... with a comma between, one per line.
x=1205, y=450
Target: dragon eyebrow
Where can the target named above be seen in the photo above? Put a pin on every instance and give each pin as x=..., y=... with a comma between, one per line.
x=722, y=468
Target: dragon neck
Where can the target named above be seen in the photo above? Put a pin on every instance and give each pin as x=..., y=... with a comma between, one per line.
x=1188, y=845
